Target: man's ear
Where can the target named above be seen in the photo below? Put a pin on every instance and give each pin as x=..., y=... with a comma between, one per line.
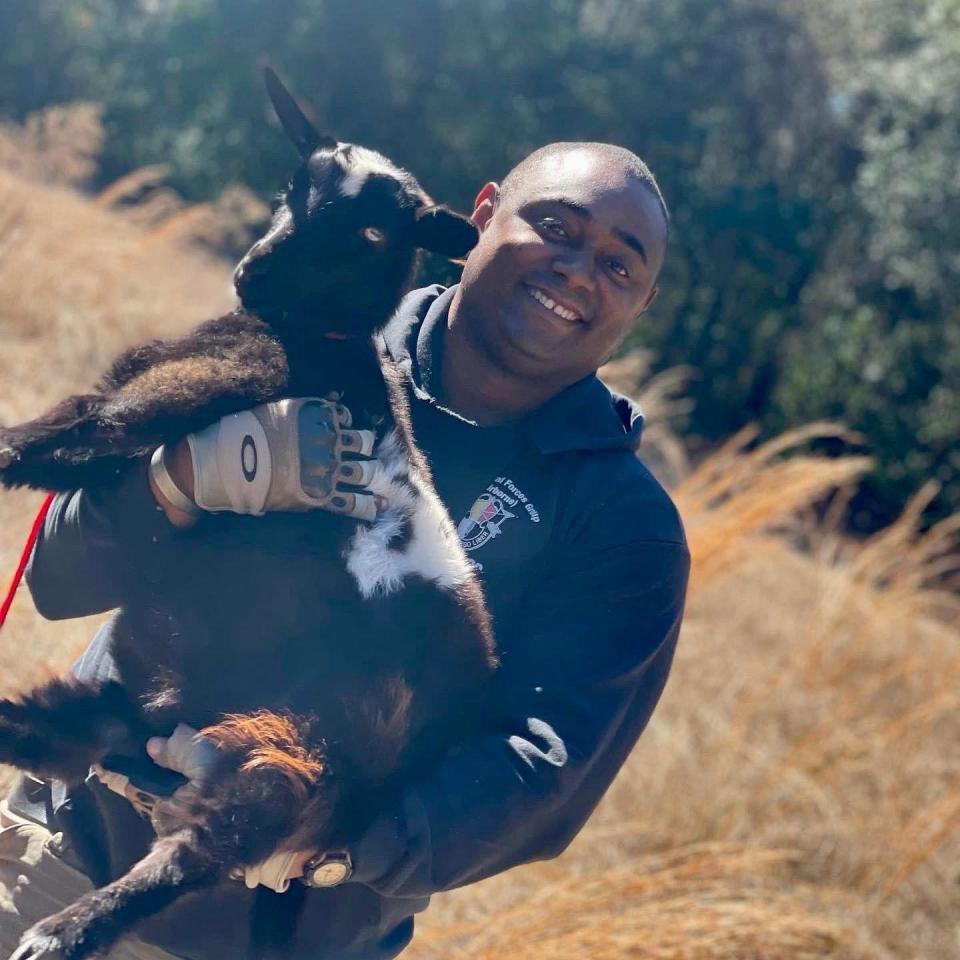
x=442, y=231
x=651, y=296
x=484, y=205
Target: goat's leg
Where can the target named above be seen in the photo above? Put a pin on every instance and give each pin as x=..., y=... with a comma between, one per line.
x=153, y=395
x=27, y=447
x=62, y=435
x=176, y=864
x=278, y=793
x=62, y=727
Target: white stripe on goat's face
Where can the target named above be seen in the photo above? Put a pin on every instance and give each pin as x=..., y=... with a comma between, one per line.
x=425, y=543
x=363, y=164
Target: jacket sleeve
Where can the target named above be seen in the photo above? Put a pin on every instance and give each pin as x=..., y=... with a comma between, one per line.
x=583, y=666
x=91, y=540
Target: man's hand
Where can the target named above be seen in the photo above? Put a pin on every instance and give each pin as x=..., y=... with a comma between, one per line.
x=189, y=753
x=297, y=454
x=195, y=756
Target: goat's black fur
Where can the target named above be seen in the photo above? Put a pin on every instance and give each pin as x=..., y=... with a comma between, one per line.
x=306, y=763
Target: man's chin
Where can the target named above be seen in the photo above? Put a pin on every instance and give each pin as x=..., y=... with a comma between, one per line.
x=535, y=336
x=528, y=355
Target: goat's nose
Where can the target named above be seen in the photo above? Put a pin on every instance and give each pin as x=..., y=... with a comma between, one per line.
x=249, y=269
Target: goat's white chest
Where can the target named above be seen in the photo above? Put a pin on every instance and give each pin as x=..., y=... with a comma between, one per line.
x=414, y=536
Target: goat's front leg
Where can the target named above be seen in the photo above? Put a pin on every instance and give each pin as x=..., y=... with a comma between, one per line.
x=153, y=395
x=62, y=727
x=25, y=449
x=177, y=864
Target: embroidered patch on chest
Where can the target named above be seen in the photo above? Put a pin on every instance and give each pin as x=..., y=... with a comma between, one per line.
x=503, y=500
x=414, y=536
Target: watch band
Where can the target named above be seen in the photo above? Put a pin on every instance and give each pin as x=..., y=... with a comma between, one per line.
x=163, y=480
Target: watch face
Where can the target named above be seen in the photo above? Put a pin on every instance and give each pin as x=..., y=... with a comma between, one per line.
x=329, y=874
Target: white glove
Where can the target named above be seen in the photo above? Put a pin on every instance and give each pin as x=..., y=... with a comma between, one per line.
x=192, y=754
x=294, y=454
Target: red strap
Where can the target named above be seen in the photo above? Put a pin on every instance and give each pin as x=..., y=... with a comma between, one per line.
x=25, y=558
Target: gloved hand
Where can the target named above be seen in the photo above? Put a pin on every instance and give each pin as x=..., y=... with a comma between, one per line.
x=294, y=454
x=190, y=753
x=187, y=752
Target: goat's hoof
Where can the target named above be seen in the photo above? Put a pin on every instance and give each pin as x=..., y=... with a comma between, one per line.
x=39, y=946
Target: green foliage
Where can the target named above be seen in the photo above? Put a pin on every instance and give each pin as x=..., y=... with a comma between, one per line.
x=807, y=150
x=880, y=342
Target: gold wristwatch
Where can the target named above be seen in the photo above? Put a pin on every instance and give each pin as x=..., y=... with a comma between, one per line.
x=328, y=869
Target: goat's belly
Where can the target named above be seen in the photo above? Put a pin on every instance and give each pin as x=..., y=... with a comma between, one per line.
x=255, y=611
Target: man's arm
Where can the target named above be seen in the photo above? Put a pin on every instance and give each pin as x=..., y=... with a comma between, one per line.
x=577, y=687
x=91, y=540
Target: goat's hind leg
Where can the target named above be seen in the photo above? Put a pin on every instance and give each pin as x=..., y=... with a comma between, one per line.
x=240, y=820
x=62, y=727
x=177, y=864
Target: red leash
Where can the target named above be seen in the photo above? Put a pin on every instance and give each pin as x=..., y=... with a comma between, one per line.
x=25, y=558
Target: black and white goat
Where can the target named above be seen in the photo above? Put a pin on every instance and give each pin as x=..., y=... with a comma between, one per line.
x=372, y=657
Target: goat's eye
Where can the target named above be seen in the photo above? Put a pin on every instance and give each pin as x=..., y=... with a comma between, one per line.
x=373, y=235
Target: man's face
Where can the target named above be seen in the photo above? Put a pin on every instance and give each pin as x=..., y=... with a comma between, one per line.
x=566, y=261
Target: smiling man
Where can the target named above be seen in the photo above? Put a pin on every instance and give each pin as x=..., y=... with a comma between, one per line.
x=581, y=552
x=568, y=258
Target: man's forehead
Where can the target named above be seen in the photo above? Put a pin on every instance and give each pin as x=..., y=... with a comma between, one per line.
x=580, y=169
x=578, y=165
x=597, y=183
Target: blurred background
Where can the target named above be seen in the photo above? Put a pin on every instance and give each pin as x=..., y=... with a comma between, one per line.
x=798, y=792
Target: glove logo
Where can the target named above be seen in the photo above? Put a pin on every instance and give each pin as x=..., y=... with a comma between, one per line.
x=248, y=458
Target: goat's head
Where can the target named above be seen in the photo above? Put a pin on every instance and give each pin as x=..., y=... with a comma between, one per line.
x=342, y=247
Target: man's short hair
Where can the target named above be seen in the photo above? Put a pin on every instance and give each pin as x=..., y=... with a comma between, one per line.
x=621, y=156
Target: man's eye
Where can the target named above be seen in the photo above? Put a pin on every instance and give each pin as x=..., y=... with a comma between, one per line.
x=554, y=226
x=619, y=269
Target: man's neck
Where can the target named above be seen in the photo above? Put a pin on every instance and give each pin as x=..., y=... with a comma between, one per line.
x=476, y=388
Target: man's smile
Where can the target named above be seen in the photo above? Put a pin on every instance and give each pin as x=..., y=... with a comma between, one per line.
x=563, y=310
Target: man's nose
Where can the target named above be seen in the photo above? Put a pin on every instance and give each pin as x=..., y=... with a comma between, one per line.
x=576, y=267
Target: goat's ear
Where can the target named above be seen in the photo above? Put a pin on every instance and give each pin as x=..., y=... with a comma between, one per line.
x=298, y=128
x=440, y=230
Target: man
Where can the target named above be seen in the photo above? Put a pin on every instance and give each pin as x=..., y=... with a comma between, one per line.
x=581, y=552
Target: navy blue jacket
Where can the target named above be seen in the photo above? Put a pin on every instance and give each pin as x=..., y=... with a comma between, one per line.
x=585, y=566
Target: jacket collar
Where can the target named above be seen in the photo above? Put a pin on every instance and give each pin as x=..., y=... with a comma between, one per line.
x=585, y=416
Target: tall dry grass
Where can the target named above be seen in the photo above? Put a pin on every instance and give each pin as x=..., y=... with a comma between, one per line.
x=797, y=794
x=79, y=281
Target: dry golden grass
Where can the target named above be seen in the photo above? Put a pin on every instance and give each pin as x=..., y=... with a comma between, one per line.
x=78, y=283
x=60, y=144
x=797, y=794
x=696, y=902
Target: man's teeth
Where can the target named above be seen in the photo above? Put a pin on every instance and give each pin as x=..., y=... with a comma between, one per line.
x=552, y=305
